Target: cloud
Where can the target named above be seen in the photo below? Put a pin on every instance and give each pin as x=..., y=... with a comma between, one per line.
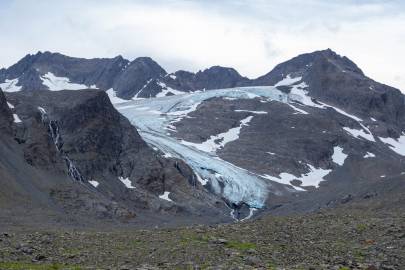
x=251, y=36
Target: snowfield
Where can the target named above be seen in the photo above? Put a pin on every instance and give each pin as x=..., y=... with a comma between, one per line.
x=10, y=86
x=55, y=83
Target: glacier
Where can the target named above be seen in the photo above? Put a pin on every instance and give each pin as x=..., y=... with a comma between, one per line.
x=154, y=117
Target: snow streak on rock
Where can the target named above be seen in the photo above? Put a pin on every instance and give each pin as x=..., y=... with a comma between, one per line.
x=218, y=141
x=55, y=83
x=10, y=86
x=396, y=145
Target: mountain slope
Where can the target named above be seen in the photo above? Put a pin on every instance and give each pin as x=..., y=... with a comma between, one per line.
x=313, y=133
x=309, y=131
x=74, y=159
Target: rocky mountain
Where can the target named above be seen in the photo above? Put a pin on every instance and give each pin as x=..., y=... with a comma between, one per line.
x=140, y=78
x=317, y=124
x=313, y=133
x=73, y=157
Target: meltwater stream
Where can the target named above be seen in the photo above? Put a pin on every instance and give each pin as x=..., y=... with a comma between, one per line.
x=153, y=118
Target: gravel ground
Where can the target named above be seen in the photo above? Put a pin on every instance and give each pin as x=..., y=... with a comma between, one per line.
x=339, y=240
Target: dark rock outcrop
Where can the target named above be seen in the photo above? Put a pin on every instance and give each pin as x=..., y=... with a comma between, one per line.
x=76, y=138
x=215, y=77
x=336, y=80
x=138, y=73
x=6, y=118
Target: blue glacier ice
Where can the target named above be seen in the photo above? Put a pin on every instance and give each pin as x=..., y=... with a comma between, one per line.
x=153, y=117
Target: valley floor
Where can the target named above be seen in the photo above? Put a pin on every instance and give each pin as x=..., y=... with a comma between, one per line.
x=342, y=239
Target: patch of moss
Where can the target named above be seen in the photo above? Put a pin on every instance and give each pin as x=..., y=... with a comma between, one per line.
x=361, y=228
x=240, y=245
x=31, y=266
x=271, y=266
x=194, y=239
x=359, y=255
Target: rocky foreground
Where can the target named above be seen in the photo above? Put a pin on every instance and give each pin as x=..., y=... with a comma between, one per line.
x=342, y=239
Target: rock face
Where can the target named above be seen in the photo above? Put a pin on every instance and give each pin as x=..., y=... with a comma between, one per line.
x=6, y=117
x=338, y=81
x=136, y=76
x=92, y=164
x=215, y=77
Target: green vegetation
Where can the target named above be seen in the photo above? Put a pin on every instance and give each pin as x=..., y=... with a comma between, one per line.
x=361, y=228
x=240, y=245
x=31, y=266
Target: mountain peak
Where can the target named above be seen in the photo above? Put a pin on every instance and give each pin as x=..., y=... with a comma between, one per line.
x=149, y=63
x=327, y=60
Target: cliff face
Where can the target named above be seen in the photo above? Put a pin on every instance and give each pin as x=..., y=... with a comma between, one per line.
x=6, y=117
x=91, y=163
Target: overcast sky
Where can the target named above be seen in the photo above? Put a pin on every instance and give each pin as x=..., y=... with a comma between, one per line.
x=249, y=35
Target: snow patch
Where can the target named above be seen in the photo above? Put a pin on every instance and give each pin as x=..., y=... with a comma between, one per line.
x=201, y=180
x=298, y=94
x=369, y=155
x=287, y=81
x=94, y=183
x=251, y=212
x=55, y=83
x=346, y=114
x=298, y=110
x=359, y=133
x=42, y=110
x=11, y=106
x=338, y=156
x=10, y=85
x=397, y=145
x=136, y=97
x=16, y=118
x=165, y=196
x=113, y=97
x=254, y=112
x=126, y=182
x=218, y=141
x=167, y=90
x=312, y=178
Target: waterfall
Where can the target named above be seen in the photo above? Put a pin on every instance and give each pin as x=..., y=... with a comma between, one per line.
x=53, y=131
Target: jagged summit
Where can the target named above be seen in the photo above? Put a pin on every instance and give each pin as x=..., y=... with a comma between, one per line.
x=297, y=66
x=143, y=77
